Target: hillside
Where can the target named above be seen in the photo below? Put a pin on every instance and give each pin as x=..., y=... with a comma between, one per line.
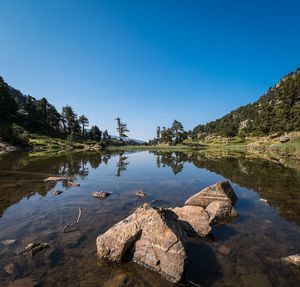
x=21, y=115
x=276, y=111
x=25, y=120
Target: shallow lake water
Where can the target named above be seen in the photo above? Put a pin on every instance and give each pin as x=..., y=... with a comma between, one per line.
x=257, y=239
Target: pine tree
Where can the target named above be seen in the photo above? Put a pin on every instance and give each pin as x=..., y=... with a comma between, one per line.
x=84, y=122
x=95, y=133
x=121, y=128
x=70, y=119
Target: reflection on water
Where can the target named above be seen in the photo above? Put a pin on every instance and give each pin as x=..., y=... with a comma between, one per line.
x=274, y=182
x=29, y=211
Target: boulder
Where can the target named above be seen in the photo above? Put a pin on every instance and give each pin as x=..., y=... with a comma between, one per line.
x=221, y=191
x=193, y=219
x=220, y=210
x=153, y=238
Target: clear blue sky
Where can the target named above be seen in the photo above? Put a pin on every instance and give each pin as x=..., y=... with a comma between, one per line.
x=148, y=61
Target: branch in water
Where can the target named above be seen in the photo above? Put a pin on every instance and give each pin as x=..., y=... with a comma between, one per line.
x=72, y=224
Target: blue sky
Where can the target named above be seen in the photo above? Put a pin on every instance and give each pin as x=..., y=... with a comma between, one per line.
x=149, y=62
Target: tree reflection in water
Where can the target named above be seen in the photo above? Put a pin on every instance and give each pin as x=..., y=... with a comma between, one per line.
x=272, y=180
x=122, y=164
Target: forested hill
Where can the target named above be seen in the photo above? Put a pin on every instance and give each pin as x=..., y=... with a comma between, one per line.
x=276, y=111
x=21, y=115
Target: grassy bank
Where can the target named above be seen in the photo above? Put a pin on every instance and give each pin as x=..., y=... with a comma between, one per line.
x=147, y=147
x=45, y=145
x=267, y=144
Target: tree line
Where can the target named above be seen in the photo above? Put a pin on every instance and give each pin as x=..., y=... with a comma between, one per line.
x=171, y=136
x=20, y=114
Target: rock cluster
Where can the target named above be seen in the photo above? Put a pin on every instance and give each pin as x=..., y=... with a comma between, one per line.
x=155, y=237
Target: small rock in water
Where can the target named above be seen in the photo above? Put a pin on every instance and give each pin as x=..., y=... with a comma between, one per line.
x=55, y=178
x=57, y=192
x=292, y=259
x=262, y=200
x=101, y=194
x=72, y=183
x=35, y=247
x=9, y=268
x=8, y=241
x=224, y=250
x=140, y=193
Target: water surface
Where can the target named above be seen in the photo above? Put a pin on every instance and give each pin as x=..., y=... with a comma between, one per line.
x=258, y=238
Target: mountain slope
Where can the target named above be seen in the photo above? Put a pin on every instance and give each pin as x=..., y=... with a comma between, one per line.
x=276, y=111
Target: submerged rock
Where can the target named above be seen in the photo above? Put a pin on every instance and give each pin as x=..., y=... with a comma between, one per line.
x=292, y=259
x=140, y=193
x=219, y=210
x=193, y=219
x=152, y=237
x=221, y=191
x=57, y=192
x=8, y=241
x=224, y=250
x=35, y=247
x=101, y=194
x=118, y=280
x=9, y=268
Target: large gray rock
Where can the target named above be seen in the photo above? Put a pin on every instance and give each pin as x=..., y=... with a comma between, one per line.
x=221, y=191
x=154, y=238
x=193, y=219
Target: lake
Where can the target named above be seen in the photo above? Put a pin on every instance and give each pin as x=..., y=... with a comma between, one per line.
x=257, y=239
